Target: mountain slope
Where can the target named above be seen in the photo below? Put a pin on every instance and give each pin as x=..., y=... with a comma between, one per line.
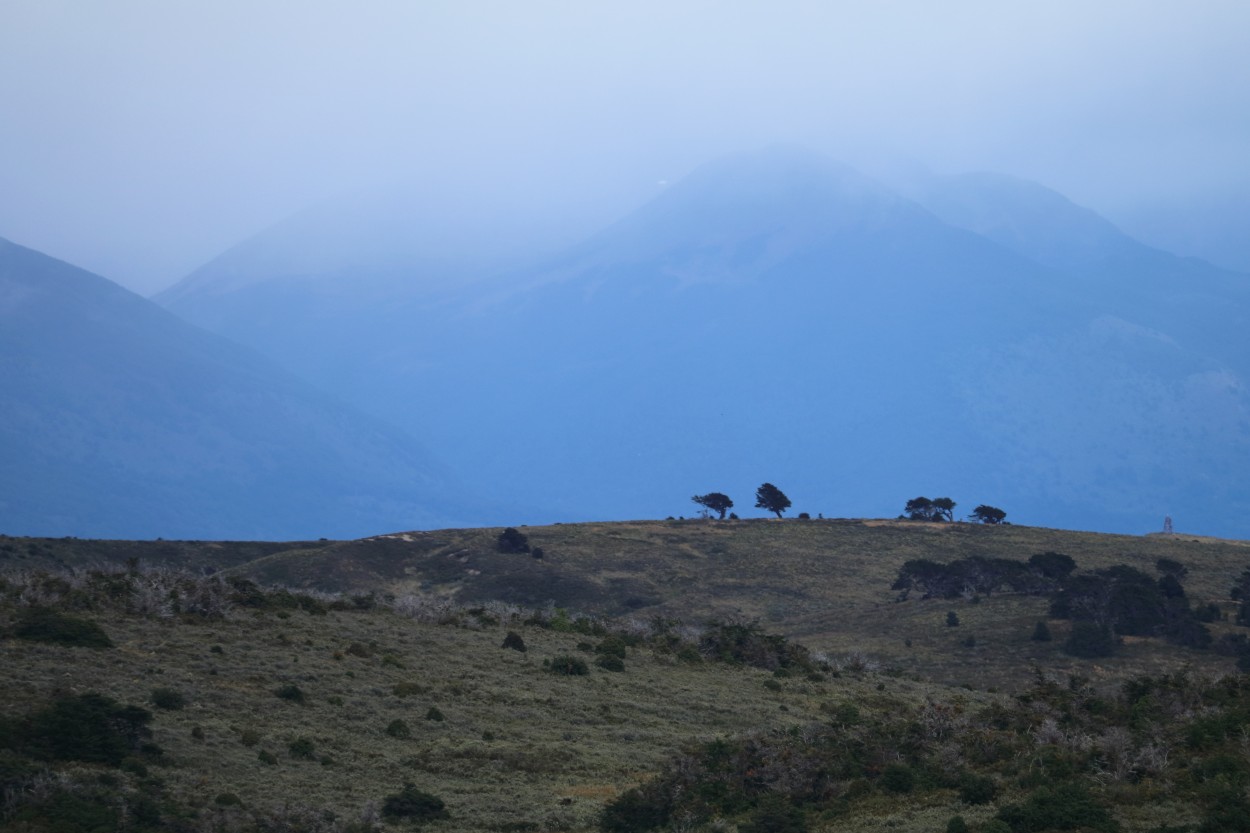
x=778, y=316
x=120, y=420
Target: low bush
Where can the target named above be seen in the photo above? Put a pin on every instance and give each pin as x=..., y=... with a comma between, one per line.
x=568, y=666
x=399, y=729
x=412, y=804
x=302, y=748
x=291, y=693
x=168, y=699
x=39, y=624
x=435, y=715
x=514, y=641
x=610, y=663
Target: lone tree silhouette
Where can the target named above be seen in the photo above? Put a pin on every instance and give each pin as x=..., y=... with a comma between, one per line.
x=988, y=514
x=715, y=502
x=769, y=498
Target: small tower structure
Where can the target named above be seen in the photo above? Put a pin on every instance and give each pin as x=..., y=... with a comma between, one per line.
x=1167, y=524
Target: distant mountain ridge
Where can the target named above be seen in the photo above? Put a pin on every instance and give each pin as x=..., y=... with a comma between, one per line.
x=117, y=419
x=779, y=316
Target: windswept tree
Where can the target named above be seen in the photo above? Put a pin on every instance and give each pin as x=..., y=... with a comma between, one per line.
x=715, y=502
x=923, y=509
x=988, y=514
x=771, y=499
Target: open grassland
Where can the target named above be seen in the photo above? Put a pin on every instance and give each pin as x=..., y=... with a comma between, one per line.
x=824, y=582
x=516, y=748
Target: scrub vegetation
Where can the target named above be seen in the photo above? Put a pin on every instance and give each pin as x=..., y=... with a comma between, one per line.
x=747, y=693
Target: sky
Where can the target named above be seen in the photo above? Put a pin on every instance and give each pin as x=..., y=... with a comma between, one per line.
x=140, y=138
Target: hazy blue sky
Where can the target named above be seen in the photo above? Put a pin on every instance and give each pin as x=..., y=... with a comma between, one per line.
x=138, y=138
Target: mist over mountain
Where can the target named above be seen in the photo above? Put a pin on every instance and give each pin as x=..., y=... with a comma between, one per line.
x=117, y=419
x=779, y=316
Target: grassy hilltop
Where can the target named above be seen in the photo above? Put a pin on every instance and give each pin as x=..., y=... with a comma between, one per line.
x=304, y=709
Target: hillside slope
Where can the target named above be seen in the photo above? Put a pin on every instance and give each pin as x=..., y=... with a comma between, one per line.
x=779, y=316
x=117, y=419
x=824, y=582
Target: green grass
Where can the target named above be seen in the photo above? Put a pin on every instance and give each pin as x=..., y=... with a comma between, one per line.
x=519, y=745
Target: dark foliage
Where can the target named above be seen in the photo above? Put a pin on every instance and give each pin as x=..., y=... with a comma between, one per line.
x=988, y=514
x=1089, y=640
x=1041, y=632
x=568, y=666
x=1064, y=807
x=1053, y=565
x=636, y=811
x=952, y=619
x=398, y=729
x=412, y=804
x=168, y=698
x=41, y=624
x=291, y=693
x=514, y=641
x=511, y=541
x=775, y=814
x=715, y=502
x=88, y=727
x=771, y=499
x=750, y=645
x=923, y=509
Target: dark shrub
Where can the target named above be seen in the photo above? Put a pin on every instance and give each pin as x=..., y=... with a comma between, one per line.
x=510, y=540
x=359, y=649
x=957, y=825
x=537, y=552
x=434, y=714
x=168, y=699
x=568, y=666
x=776, y=814
x=301, y=748
x=1041, y=632
x=1090, y=640
x=514, y=641
x=89, y=727
x=399, y=729
x=227, y=800
x=977, y=789
x=636, y=811
x=413, y=804
x=613, y=646
x=408, y=689
x=1065, y=807
x=39, y=624
x=1053, y=565
x=898, y=778
x=290, y=692
x=952, y=619
x=267, y=758
x=610, y=663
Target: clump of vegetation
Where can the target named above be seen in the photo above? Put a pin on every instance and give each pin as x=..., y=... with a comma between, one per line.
x=41, y=624
x=409, y=689
x=168, y=698
x=291, y=693
x=610, y=663
x=412, y=804
x=568, y=666
x=514, y=641
x=399, y=729
x=512, y=541
x=434, y=714
x=302, y=748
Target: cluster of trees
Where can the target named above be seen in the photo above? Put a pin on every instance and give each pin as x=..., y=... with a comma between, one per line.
x=1102, y=605
x=943, y=509
x=771, y=499
x=767, y=497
